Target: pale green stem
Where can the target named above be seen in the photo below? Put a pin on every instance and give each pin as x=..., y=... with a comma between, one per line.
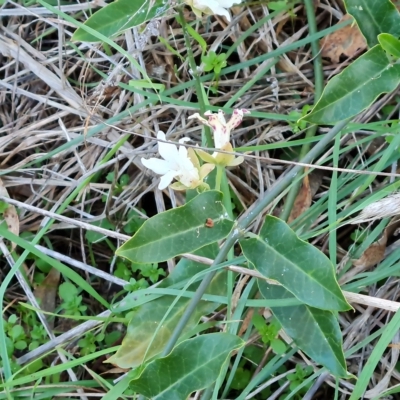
x=218, y=179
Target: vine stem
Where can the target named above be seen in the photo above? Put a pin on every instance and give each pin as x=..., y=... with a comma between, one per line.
x=318, y=88
x=243, y=222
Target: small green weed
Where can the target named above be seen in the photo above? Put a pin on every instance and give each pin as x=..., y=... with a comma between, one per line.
x=299, y=125
x=71, y=300
x=359, y=235
x=269, y=332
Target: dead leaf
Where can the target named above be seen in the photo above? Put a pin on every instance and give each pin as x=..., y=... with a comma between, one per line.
x=393, y=227
x=116, y=370
x=246, y=321
x=372, y=256
x=303, y=200
x=347, y=41
x=237, y=292
x=46, y=293
x=315, y=179
x=10, y=215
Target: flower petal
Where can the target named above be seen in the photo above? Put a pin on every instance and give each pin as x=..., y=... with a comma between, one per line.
x=193, y=158
x=178, y=186
x=218, y=125
x=224, y=158
x=167, y=179
x=158, y=166
x=168, y=151
x=199, y=5
x=221, y=117
x=190, y=178
x=205, y=169
x=184, y=140
x=217, y=9
x=182, y=152
x=201, y=119
x=185, y=163
x=235, y=162
x=228, y=3
x=221, y=137
x=210, y=7
x=208, y=158
x=236, y=118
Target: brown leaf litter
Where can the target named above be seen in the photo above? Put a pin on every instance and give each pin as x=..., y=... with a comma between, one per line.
x=346, y=41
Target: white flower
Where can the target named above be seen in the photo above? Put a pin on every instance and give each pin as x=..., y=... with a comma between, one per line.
x=179, y=164
x=211, y=7
x=221, y=128
x=222, y=135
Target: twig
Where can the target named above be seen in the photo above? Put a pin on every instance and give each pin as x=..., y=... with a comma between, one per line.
x=350, y=296
x=70, y=221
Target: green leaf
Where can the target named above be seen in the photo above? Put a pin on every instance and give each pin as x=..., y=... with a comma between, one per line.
x=138, y=344
x=181, y=274
x=17, y=331
x=110, y=177
x=124, y=180
x=374, y=17
x=297, y=265
x=3, y=206
x=170, y=48
x=145, y=84
x=193, y=365
x=258, y=322
x=20, y=345
x=196, y=36
x=118, y=16
x=95, y=237
x=390, y=44
x=43, y=265
x=135, y=221
x=278, y=346
x=316, y=332
x=67, y=291
x=241, y=379
x=278, y=5
x=356, y=88
x=180, y=230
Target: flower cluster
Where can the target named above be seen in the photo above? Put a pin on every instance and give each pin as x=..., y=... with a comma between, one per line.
x=182, y=163
x=210, y=7
x=222, y=135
